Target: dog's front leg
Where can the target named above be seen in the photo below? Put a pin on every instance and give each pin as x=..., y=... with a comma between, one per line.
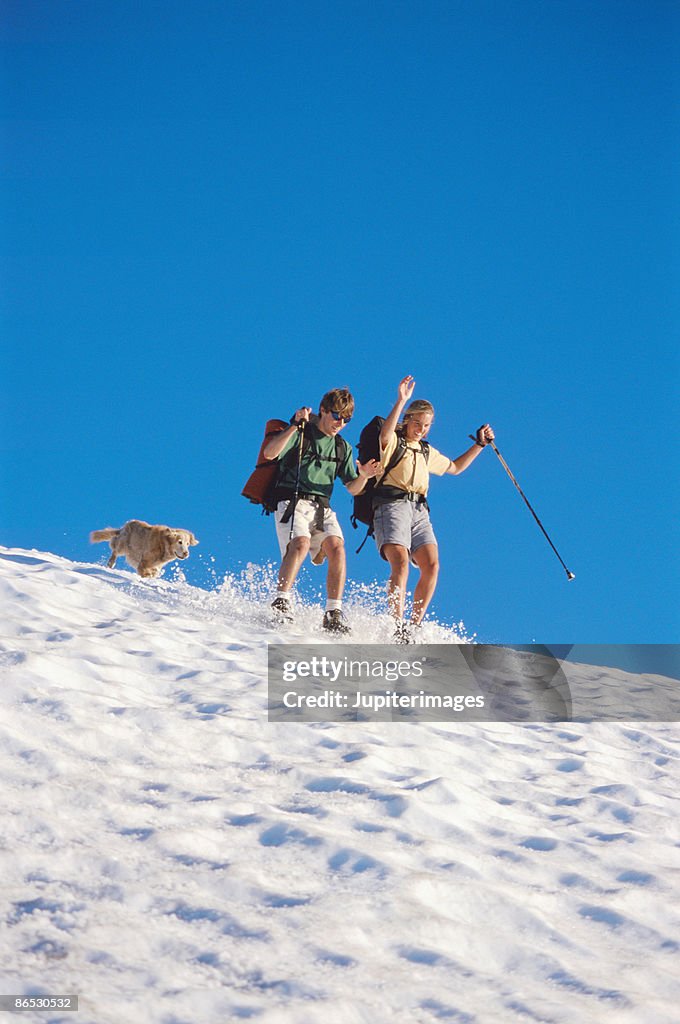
x=148, y=571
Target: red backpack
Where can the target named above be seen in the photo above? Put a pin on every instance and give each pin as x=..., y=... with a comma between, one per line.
x=261, y=482
x=260, y=487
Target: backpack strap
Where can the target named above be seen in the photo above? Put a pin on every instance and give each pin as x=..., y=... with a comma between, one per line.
x=340, y=451
x=309, y=451
x=341, y=447
x=369, y=533
x=398, y=455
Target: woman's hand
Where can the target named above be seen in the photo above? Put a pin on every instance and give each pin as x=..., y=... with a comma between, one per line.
x=406, y=387
x=485, y=435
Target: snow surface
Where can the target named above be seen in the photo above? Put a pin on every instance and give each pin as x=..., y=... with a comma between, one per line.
x=171, y=857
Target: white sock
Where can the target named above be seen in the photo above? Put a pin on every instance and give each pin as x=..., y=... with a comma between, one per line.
x=333, y=604
x=285, y=594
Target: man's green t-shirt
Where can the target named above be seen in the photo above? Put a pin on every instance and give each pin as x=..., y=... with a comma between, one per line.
x=318, y=469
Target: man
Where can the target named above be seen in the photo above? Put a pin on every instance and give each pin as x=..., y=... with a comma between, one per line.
x=311, y=458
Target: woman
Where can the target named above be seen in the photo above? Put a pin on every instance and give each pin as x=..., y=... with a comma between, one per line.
x=401, y=520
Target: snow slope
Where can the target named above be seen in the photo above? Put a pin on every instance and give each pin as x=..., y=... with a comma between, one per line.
x=171, y=857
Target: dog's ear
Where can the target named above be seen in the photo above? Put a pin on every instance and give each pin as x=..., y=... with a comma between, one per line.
x=192, y=539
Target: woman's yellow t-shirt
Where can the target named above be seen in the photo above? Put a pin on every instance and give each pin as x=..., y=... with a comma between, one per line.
x=412, y=472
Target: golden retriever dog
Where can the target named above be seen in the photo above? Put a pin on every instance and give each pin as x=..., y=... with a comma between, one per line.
x=146, y=548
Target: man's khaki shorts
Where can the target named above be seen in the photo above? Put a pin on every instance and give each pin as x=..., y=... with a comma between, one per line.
x=304, y=526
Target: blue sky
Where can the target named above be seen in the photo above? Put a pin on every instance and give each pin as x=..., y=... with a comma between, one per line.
x=213, y=212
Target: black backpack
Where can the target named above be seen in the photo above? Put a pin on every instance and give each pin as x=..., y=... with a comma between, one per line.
x=369, y=448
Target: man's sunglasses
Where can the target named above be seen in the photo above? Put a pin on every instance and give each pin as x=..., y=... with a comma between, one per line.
x=337, y=417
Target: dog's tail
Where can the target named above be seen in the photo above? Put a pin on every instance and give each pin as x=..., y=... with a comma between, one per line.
x=106, y=534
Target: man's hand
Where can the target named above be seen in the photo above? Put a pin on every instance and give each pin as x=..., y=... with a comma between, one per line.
x=303, y=414
x=369, y=469
x=485, y=435
x=406, y=387
x=365, y=471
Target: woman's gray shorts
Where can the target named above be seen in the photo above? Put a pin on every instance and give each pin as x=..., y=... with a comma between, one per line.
x=402, y=522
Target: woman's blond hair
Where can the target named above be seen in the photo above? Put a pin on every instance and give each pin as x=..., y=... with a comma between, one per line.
x=418, y=405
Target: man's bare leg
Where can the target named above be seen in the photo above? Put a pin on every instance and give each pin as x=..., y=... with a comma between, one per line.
x=296, y=552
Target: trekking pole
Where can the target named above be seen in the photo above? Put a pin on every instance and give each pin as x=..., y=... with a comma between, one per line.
x=570, y=575
x=301, y=430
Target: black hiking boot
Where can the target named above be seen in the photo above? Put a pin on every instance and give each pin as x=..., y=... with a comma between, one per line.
x=403, y=634
x=283, y=610
x=335, y=622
